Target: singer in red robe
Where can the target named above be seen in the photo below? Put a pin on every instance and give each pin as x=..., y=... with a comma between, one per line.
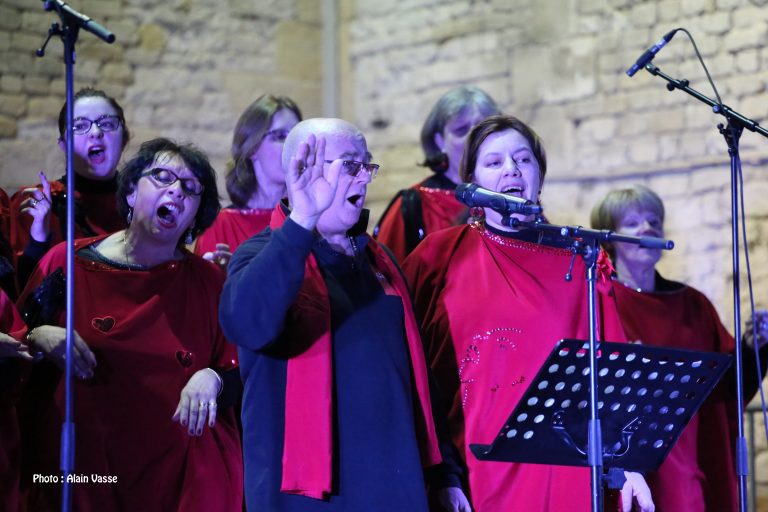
x=493, y=302
x=233, y=226
x=152, y=433
x=12, y=329
x=430, y=206
x=38, y=214
x=255, y=181
x=698, y=475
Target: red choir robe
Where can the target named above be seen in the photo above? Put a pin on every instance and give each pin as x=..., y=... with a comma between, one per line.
x=491, y=310
x=150, y=331
x=698, y=474
x=97, y=207
x=10, y=447
x=232, y=227
x=440, y=210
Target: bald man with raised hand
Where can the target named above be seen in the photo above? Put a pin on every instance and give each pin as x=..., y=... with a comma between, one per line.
x=337, y=413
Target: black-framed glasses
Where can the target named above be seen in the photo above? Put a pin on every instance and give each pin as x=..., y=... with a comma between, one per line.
x=107, y=123
x=353, y=167
x=278, y=135
x=166, y=178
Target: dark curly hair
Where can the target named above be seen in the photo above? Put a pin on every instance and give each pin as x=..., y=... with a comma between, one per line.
x=193, y=158
x=90, y=92
x=254, y=122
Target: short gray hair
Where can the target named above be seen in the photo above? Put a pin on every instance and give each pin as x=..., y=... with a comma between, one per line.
x=320, y=127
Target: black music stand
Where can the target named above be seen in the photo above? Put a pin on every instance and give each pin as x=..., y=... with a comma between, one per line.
x=647, y=396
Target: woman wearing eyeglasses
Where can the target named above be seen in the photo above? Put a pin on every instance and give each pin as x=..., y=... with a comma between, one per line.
x=255, y=180
x=38, y=214
x=151, y=364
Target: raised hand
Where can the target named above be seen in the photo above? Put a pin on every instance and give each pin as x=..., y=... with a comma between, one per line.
x=38, y=205
x=310, y=182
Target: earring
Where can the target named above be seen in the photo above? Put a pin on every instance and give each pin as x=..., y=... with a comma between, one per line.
x=129, y=217
x=476, y=214
x=189, y=238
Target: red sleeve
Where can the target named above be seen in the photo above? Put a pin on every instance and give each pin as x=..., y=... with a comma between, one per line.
x=10, y=320
x=224, y=354
x=392, y=230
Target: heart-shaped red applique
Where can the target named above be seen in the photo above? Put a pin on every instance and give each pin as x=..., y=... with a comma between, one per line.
x=185, y=358
x=103, y=324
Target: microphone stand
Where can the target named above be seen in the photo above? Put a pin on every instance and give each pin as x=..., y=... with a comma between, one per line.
x=732, y=132
x=71, y=22
x=586, y=243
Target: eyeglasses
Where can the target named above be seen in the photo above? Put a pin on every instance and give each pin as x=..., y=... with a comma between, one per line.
x=278, y=135
x=166, y=178
x=353, y=167
x=106, y=123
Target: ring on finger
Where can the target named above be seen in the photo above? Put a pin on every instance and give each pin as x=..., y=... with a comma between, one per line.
x=33, y=202
x=203, y=404
x=212, y=404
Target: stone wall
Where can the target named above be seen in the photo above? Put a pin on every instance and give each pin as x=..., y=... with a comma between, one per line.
x=187, y=68
x=184, y=69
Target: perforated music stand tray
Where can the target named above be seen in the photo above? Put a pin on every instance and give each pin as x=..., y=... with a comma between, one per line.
x=646, y=396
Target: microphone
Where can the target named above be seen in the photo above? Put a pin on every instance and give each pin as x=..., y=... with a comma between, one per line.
x=475, y=196
x=80, y=19
x=650, y=53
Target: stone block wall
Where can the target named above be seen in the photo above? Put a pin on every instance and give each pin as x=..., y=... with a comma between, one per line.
x=187, y=68
x=183, y=69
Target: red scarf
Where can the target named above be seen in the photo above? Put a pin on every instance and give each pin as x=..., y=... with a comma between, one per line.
x=307, y=452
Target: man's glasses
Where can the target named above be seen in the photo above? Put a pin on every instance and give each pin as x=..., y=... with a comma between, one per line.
x=278, y=135
x=353, y=168
x=107, y=123
x=166, y=178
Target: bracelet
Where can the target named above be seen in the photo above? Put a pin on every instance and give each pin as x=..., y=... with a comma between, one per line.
x=218, y=378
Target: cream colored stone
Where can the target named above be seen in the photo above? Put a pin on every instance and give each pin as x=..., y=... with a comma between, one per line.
x=152, y=37
x=13, y=105
x=7, y=126
x=10, y=18
x=11, y=83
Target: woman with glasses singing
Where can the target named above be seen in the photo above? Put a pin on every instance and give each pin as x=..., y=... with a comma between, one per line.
x=38, y=214
x=155, y=427
x=255, y=180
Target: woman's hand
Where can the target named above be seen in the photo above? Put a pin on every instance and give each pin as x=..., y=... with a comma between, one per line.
x=10, y=347
x=636, y=490
x=756, y=332
x=453, y=499
x=311, y=184
x=38, y=205
x=198, y=402
x=52, y=342
x=220, y=256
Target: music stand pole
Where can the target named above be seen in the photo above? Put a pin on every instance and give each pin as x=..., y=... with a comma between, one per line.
x=595, y=441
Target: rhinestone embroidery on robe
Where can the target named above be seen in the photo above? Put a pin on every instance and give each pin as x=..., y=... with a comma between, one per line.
x=494, y=339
